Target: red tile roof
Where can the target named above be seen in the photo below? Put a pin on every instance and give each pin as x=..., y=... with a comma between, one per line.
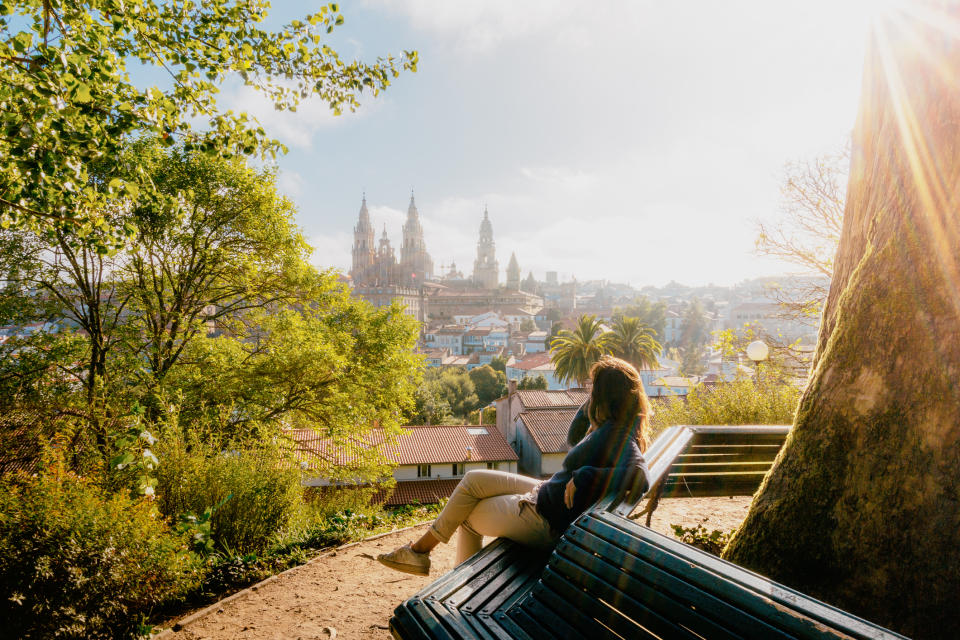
x=422, y=491
x=542, y=399
x=548, y=428
x=421, y=445
x=534, y=361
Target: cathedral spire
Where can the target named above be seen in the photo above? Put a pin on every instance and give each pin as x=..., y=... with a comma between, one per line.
x=485, y=267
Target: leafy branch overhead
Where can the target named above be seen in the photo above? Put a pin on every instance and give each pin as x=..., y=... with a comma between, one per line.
x=71, y=95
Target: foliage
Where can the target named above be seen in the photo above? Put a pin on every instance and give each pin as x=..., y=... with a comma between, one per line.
x=253, y=493
x=447, y=395
x=75, y=563
x=70, y=103
x=527, y=325
x=230, y=245
x=698, y=536
x=740, y=402
x=651, y=314
x=499, y=363
x=489, y=383
x=574, y=352
x=531, y=383
x=634, y=342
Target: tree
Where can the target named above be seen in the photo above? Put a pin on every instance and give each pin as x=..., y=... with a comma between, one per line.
x=651, y=314
x=489, y=383
x=574, y=352
x=499, y=363
x=532, y=383
x=527, y=325
x=70, y=103
x=230, y=245
x=459, y=392
x=634, y=342
x=861, y=508
x=808, y=230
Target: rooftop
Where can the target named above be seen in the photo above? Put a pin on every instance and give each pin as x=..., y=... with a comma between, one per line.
x=420, y=445
x=549, y=427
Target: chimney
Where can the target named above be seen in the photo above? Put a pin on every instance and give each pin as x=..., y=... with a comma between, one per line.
x=511, y=386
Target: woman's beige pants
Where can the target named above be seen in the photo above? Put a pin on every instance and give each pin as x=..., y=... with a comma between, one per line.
x=496, y=504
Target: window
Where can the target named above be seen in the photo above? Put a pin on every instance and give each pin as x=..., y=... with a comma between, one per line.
x=493, y=465
x=457, y=468
x=423, y=471
x=477, y=431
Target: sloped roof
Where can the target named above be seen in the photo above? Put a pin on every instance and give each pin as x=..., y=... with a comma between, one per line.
x=421, y=445
x=548, y=428
x=537, y=399
x=535, y=361
x=421, y=491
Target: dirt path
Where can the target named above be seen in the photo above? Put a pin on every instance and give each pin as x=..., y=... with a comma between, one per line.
x=350, y=595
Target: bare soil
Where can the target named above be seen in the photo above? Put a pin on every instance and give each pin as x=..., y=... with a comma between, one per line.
x=350, y=595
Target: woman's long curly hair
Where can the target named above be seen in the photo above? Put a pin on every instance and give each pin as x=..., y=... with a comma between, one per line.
x=618, y=395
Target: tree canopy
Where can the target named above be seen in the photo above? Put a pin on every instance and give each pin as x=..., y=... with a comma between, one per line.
x=72, y=95
x=574, y=352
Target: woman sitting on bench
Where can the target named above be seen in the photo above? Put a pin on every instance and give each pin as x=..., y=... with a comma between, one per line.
x=608, y=436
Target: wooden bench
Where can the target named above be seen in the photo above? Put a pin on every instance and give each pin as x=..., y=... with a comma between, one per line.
x=610, y=577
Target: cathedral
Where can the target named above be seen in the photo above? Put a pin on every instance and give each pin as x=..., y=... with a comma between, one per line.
x=378, y=266
x=380, y=278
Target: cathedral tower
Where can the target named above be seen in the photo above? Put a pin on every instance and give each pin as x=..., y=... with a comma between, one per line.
x=364, y=254
x=386, y=266
x=513, y=273
x=486, y=270
x=416, y=266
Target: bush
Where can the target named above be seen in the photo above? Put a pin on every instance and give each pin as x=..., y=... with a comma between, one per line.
x=698, y=536
x=738, y=402
x=77, y=564
x=258, y=492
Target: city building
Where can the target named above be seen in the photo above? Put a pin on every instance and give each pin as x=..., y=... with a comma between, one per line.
x=486, y=269
x=430, y=460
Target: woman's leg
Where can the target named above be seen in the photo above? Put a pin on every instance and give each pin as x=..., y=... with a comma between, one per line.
x=503, y=516
x=477, y=485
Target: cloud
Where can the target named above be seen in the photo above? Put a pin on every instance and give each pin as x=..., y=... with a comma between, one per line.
x=477, y=27
x=296, y=129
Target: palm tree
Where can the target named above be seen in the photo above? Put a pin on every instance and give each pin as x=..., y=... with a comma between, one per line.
x=634, y=342
x=574, y=352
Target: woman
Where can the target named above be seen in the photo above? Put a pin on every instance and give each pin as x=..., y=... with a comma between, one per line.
x=608, y=436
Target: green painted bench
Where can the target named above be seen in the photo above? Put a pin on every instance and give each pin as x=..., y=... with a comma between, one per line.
x=611, y=577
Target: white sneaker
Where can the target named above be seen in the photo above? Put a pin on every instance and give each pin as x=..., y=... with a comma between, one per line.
x=407, y=560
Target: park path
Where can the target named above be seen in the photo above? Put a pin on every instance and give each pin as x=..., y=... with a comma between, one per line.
x=347, y=594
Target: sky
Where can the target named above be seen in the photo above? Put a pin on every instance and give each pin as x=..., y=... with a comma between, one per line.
x=635, y=142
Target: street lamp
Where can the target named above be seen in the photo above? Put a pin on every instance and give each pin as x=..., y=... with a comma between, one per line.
x=758, y=352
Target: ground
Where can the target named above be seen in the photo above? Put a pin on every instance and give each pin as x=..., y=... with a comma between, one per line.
x=350, y=595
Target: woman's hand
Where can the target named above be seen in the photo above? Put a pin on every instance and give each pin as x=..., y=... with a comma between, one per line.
x=568, y=494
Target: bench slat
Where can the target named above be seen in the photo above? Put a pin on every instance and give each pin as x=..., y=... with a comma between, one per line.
x=755, y=590
x=564, y=576
x=691, y=604
x=570, y=604
x=539, y=621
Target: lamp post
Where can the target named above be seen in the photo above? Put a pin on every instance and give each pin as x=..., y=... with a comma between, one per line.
x=758, y=351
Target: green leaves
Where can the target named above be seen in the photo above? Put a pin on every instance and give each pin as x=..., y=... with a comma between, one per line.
x=69, y=104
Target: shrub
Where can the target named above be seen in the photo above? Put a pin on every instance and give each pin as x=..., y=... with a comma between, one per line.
x=257, y=491
x=738, y=402
x=77, y=564
x=698, y=536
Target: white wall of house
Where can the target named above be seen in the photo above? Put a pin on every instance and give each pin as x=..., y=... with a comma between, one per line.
x=551, y=463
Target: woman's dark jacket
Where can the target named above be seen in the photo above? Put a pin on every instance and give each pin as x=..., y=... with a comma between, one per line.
x=606, y=459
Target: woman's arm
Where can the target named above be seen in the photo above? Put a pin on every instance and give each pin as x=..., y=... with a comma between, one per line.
x=580, y=426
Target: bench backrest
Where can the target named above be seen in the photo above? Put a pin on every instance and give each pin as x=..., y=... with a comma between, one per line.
x=610, y=577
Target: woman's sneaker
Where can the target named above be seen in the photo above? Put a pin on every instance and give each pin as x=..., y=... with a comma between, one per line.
x=407, y=560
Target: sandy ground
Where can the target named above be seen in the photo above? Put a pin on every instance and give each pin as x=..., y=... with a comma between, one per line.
x=350, y=595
